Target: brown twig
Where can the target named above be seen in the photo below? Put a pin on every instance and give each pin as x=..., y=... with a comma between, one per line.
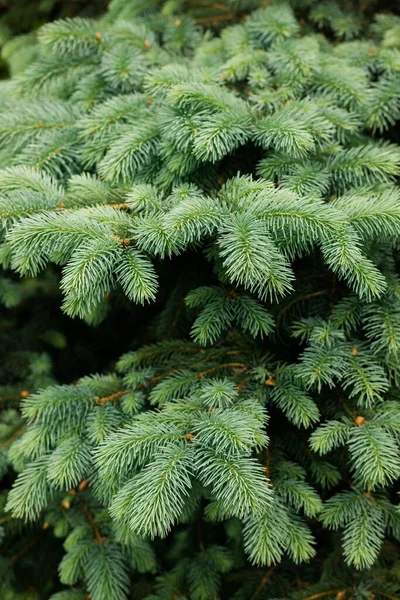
x=299, y=299
x=24, y=550
x=263, y=582
x=61, y=208
x=6, y=518
x=99, y=538
x=7, y=398
x=280, y=586
x=244, y=574
x=344, y=405
x=215, y=19
x=267, y=467
x=13, y=436
x=322, y=594
x=113, y=396
x=176, y=318
x=158, y=378
x=385, y=594
x=218, y=6
x=231, y=365
x=242, y=384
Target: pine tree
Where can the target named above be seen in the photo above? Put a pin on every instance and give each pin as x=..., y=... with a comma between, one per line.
x=224, y=198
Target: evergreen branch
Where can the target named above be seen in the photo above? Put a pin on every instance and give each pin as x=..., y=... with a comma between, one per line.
x=135, y=139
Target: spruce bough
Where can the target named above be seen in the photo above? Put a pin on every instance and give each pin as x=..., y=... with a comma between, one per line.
x=240, y=188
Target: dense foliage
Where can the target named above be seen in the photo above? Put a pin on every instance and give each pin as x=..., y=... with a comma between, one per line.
x=215, y=412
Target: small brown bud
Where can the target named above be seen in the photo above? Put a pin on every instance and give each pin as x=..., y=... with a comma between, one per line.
x=45, y=525
x=72, y=492
x=66, y=504
x=178, y=22
x=270, y=381
x=98, y=35
x=359, y=420
x=24, y=393
x=371, y=52
x=147, y=44
x=189, y=436
x=354, y=351
x=83, y=485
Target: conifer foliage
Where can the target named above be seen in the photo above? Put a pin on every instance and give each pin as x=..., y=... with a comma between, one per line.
x=239, y=186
